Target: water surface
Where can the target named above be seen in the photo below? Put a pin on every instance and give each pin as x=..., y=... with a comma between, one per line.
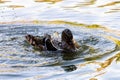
x=95, y=26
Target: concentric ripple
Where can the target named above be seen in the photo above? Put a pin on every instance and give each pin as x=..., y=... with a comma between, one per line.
x=16, y=55
x=15, y=50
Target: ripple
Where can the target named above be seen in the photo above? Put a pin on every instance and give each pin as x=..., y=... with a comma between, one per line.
x=3, y=1
x=97, y=43
x=110, y=4
x=17, y=51
x=95, y=26
x=52, y=1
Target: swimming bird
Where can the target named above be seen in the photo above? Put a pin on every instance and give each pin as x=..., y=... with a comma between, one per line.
x=47, y=42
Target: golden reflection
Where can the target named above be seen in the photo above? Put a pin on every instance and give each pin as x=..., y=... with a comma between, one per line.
x=83, y=4
x=16, y=6
x=91, y=26
x=115, y=40
x=75, y=24
x=110, y=4
x=118, y=57
x=101, y=73
x=93, y=79
x=94, y=26
x=113, y=10
x=115, y=32
x=52, y=1
x=106, y=63
x=102, y=65
x=3, y=1
x=90, y=2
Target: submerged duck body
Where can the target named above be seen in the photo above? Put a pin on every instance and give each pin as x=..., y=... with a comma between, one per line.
x=54, y=43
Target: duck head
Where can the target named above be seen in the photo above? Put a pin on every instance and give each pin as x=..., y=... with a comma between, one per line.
x=67, y=40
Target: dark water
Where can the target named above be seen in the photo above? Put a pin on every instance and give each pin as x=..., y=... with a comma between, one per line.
x=19, y=60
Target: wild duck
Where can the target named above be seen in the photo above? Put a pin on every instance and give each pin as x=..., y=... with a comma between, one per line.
x=67, y=42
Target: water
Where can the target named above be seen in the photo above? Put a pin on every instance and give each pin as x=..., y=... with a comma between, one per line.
x=95, y=26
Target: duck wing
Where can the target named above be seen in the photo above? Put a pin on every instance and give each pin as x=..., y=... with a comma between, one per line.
x=35, y=41
x=56, y=40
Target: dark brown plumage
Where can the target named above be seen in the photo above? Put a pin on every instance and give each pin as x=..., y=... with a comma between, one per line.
x=46, y=43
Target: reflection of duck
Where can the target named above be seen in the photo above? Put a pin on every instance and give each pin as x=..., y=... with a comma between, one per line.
x=67, y=42
x=69, y=68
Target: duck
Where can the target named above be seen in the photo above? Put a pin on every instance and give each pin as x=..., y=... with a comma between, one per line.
x=48, y=43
